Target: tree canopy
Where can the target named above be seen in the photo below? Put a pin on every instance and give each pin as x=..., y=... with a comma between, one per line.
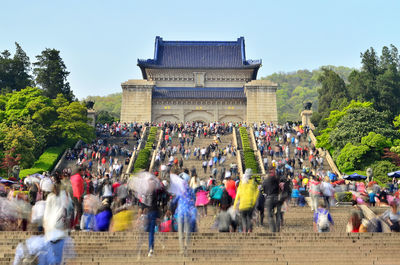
x=14, y=71
x=31, y=122
x=301, y=86
x=358, y=121
x=51, y=74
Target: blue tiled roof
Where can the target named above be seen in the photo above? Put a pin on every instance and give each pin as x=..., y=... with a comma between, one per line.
x=199, y=92
x=199, y=54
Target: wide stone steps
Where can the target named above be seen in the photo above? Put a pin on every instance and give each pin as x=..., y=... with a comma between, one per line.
x=227, y=248
x=204, y=142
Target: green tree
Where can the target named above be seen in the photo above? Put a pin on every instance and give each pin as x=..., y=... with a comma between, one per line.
x=51, y=74
x=298, y=87
x=352, y=157
x=22, y=141
x=104, y=117
x=378, y=81
x=335, y=116
x=380, y=169
x=376, y=141
x=110, y=103
x=332, y=95
x=357, y=123
x=72, y=123
x=14, y=71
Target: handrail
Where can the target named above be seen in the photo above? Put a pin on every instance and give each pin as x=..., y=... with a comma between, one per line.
x=135, y=153
x=327, y=155
x=238, y=155
x=153, y=158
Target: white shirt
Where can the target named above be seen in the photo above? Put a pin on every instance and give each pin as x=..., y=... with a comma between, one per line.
x=55, y=215
x=38, y=212
x=46, y=184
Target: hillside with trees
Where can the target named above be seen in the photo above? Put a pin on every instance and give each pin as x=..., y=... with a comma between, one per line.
x=358, y=121
x=110, y=104
x=298, y=87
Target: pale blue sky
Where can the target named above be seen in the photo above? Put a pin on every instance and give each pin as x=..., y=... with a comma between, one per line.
x=100, y=41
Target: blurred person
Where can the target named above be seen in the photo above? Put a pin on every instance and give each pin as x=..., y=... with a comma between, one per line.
x=322, y=220
x=77, y=184
x=246, y=198
x=392, y=217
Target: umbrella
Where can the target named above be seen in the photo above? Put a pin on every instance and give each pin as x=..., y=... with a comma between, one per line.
x=143, y=185
x=355, y=176
x=177, y=186
x=7, y=182
x=37, y=175
x=395, y=174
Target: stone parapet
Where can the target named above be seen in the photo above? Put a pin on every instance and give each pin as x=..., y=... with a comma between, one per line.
x=261, y=101
x=136, y=101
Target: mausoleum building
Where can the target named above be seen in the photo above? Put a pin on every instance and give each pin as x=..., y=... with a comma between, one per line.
x=199, y=81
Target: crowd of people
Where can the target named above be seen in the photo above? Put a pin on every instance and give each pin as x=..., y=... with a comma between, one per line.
x=173, y=197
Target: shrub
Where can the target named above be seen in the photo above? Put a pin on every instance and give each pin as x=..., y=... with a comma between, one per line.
x=344, y=196
x=352, y=157
x=46, y=161
x=248, y=153
x=143, y=158
x=380, y=170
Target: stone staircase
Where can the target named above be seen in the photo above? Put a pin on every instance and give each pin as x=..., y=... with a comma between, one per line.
x=112, y=140
x=296, y=244
x=204, y=142
x=303, y=142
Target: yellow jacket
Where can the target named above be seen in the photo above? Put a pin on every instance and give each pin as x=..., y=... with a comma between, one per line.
x=246, y=195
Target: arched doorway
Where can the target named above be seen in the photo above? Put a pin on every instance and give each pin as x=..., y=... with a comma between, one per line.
x=199, y=115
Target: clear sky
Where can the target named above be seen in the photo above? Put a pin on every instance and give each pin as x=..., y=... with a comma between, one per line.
x=100, y=41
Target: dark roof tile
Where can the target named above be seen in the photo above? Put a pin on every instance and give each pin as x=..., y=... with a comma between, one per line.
x=202, y=92
x=199, y=54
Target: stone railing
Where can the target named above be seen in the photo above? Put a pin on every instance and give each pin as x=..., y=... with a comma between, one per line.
x=238, y=154
x=257, y=152
x=153, y=158
x=327, y=155
x=62, y=158
x=135, y=153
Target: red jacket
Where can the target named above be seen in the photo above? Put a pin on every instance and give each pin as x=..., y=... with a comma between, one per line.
x=77, y=185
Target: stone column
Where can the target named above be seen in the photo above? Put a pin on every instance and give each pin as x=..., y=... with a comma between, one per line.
x=136, y=101
x=306, y=118
x=91, y=114
x=261, y=101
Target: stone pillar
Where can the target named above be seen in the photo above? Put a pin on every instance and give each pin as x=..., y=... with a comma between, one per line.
x=91, y=114
x=136, y=101
x=261, y=101
x=306, y=118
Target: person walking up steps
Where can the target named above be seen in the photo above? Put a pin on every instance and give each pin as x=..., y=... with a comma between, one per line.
x=322, y=221
x=246, y=198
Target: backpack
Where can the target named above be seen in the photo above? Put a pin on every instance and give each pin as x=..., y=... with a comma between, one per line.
x=323, y=221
